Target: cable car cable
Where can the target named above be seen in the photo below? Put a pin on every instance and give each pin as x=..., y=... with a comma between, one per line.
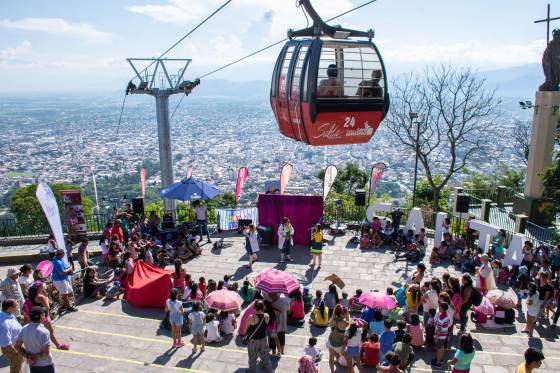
x=268, y=47
x=281, y=41
x=186, y=35
x=120, y=117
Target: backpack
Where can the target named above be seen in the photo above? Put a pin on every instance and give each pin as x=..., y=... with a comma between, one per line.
x=476, y=296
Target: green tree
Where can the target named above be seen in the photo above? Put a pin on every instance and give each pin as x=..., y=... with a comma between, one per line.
x=25, y=205
x=425, y=195
x=350, y=178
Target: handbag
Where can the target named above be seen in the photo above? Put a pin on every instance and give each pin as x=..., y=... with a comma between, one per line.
x=247, y=338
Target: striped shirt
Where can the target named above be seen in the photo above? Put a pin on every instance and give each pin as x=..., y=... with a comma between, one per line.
x=442, y=325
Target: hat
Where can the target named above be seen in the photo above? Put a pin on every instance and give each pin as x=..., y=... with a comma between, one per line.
x=118, y=221
x=12, y=271
x=484, y=256
x=523, y=269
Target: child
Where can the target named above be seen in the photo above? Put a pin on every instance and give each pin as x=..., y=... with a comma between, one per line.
x=175, y=309
x=387, y=338
x=312, y=351
x=352, y=341
x=376, y=240
x=404, y=351
x=196, y=325
x=226, y=280
x=355, y=305
x=370, y=351
x=246, y=292
x=430, y=329
x=202, y=286
x=212, y=329
x=467, y=262
x=413, y=300
x=376, y=326
x=421, y=240
x=398, y=241
x=344, y=301
x=464, y=355
x=394, y=363
x=318, y=298
x=227, y=323
x=442, y=323
x=320, y=315
x=400, y=332
x=416, y=331
x=179, y=278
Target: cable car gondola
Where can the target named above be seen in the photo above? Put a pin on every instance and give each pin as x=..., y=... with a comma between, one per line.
x=327, y=89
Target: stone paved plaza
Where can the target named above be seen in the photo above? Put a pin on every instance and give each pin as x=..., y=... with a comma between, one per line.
x=115, y=337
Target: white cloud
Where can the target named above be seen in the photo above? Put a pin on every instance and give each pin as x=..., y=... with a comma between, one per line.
x=15, y=54
x=466, y=53
x=58, y=26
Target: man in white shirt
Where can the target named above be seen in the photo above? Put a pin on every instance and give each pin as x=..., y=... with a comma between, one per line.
x=9, y=332
x=202, y=219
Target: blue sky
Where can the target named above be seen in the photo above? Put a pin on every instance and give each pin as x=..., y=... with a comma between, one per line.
x=78, y=45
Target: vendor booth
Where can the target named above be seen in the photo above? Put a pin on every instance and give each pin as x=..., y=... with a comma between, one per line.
x=303, y=212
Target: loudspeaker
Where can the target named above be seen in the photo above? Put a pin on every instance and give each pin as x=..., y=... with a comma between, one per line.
x=167, y=221
x=360, y=198
x=138, y=205
x=462, y=203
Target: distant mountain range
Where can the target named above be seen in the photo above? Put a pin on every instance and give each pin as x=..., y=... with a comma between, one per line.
x=519, y=83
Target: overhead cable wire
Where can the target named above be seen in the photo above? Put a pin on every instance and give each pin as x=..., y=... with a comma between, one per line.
x=120, y=116
x=281, y=41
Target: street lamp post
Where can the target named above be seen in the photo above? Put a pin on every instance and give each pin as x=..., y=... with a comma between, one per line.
x=419, y=118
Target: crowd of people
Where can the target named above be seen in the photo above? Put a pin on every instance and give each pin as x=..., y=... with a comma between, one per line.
x=429, y=314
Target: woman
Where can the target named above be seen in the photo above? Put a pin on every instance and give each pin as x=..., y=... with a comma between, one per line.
x=176, y=311
x=486, y=275
x=51, y=246
x=257, y=346
x=464, y=355
x=296, y=313
x=285, y=240
x=251, y=244
x=546, y=292
x=37, y=297
x=533, y=309
x=331, y=297
x=94, y=285
x=335, y=342
x=352, y=341
x=317, y=246
x=192, y=293
x=466, y=294
x=417, y=276
x=25, y=279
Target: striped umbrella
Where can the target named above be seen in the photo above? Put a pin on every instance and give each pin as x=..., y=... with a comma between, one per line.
x=224, y=300
x=272, y=280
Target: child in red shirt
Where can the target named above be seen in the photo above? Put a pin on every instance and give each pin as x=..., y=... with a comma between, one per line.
x=370, y=351
x=202, y=286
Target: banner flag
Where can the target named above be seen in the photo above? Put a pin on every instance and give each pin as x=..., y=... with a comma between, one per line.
x=143, y=177
x=242, y=175
x=48, y=203
x=286, y=171
x=95, y=191
x=330, y=175
x=189, y=171
x=376, y=174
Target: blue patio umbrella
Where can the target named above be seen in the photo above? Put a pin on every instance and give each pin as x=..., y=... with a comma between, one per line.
x=190, y=189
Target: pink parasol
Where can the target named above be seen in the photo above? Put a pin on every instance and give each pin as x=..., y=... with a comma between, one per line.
x=224, y=300
x=272, y=280
x=45, y=267
x=486, y=307
x=377, y=300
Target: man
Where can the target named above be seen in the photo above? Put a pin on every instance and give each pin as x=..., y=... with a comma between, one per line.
x=371, y=87
x=11, y=289
x=533, y=360
x=9, y=332
x=34, y=343
x=61, y=280
x=396, y=218
x=202, y=219
x=69, y=251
